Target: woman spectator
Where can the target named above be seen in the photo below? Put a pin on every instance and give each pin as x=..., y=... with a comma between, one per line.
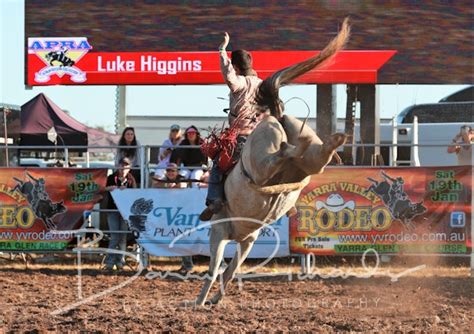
x=174, y=139
x=128, y=138
x=192, y=158
x=121, y=179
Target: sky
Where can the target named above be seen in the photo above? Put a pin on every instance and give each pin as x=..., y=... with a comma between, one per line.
x=96, y=105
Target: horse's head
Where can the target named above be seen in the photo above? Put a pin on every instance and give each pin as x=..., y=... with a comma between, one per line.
x=319, y=152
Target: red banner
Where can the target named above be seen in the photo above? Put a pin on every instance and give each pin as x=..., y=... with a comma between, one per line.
x=39, y=206
x=391, y=210
x=67, y=61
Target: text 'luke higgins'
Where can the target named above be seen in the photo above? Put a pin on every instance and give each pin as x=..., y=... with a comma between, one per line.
x=148, y=64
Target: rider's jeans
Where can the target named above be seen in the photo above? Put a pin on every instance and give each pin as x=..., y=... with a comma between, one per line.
x=216, y=185
x=117, y=240
x=215, y=190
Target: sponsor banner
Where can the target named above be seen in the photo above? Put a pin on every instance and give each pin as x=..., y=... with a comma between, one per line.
x=392, y=210
x=39, y=207
x=161, y=216
x=70, y=61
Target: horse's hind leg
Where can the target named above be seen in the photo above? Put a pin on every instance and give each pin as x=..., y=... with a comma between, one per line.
x=218, y=241
x=239, y=258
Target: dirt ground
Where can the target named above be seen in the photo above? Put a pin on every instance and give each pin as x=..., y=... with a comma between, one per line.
x=45, y=298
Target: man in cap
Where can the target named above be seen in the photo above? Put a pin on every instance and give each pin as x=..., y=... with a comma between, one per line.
x=172, y=178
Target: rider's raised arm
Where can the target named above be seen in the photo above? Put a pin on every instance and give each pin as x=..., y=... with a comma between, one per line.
x=386, y=176
x=234, y=81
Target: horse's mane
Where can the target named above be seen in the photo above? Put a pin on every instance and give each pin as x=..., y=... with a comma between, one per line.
x=267, y=95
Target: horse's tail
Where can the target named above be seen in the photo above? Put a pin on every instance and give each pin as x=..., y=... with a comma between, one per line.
x=267, y=96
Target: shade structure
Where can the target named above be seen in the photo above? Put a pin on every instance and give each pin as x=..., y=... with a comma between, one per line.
x=40, y=114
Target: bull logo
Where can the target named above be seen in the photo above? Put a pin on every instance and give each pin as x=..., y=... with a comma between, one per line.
x=35, y=192
x=390, y=190
x=59, y=57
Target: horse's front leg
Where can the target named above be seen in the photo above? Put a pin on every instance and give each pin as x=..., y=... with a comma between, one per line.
x=239, y=258
x=218, y=240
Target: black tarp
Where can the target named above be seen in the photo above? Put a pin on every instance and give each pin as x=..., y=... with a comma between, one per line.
x=40, y=114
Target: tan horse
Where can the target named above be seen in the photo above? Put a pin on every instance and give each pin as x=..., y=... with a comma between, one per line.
x=277, y=161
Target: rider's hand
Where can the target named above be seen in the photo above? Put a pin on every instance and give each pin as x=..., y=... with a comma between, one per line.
x=225, y=42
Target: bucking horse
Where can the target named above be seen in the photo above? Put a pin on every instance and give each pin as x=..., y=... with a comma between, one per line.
x=276, y=164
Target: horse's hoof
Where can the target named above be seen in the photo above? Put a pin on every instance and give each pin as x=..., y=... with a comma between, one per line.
x=215, y=300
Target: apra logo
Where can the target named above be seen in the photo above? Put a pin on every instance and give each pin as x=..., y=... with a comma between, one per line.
x=60, y=56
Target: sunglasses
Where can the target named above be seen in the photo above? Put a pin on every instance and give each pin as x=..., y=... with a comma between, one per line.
x=171, y=170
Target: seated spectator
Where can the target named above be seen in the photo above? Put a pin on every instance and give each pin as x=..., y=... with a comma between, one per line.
x=190, y=157
x=121, y=179
x=171, y=179
x=175, y=137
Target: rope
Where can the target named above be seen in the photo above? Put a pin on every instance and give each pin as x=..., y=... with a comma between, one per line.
x=279, y=188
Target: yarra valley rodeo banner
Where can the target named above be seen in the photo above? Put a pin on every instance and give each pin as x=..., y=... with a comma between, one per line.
x=38, y=206
x=160, y=215
x=392, y=210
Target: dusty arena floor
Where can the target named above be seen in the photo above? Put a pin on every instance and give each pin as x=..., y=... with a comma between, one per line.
x=45, y=298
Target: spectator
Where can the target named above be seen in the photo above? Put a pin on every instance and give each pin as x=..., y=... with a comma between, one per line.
x=173, y=140
x=190, y=157
x=462, y=145
x=128, y=138
x=171, y=179
x=121, y=179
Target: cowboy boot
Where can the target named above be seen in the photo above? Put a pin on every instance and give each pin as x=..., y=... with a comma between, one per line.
x=213, y=208
x=292, y=212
